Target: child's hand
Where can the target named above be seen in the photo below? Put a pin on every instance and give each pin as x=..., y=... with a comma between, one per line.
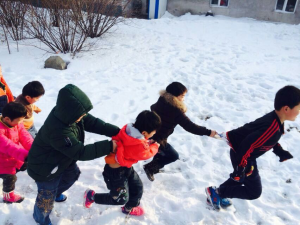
x=114, y=146
x=24, y=166
x=37, y=110
x=151, y=141
x=157, y=144
x=285, y=155
x=213, y=133
x=238, y=174
x=281, y=153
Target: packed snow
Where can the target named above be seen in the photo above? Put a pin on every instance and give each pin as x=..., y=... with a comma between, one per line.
x=232, y=69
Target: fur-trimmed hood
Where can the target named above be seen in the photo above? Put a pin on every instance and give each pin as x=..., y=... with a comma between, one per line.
x=172, y=100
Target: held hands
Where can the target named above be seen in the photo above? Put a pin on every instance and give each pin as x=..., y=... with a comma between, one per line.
x=238, y=174
x=37, y=110
x=114, y=142
x=213, y=133
x=151, y=141
x=24, y=166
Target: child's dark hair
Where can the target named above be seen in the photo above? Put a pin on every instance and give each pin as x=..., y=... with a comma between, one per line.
x=33, y=89
x=176, y=89
x=14, y=110
x=147, y=121
x=287, y=96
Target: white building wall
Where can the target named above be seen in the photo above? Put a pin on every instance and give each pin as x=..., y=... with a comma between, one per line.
x=257, y=9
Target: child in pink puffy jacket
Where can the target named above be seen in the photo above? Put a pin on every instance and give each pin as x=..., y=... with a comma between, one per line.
x=15, y=142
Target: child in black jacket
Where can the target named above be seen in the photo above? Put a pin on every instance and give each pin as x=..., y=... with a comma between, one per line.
x=172, y=111
x=250, y=142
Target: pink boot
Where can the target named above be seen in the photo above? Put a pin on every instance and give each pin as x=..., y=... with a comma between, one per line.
x=135, y=211
x=88, y=198
x=11, y=197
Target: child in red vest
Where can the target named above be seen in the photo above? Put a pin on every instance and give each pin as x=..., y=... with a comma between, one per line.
x=123, y=182
x=15, y=143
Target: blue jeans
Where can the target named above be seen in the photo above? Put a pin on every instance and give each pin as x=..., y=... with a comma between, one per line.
x=49, y=190
x=32, y=131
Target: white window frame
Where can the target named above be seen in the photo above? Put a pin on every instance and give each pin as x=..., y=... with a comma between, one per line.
x=284, y=7
x=219, y=2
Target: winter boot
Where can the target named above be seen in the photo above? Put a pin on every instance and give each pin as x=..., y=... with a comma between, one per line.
x=213, y=197
x=135, y=211
x=151, y=169
x=88, y=198
x=61, y=198
x=11, y=197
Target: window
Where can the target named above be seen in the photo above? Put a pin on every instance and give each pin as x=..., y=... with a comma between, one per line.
x=219, y=3
x=286, y=5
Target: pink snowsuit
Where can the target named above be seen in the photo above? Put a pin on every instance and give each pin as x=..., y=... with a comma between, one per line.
x=15, y=143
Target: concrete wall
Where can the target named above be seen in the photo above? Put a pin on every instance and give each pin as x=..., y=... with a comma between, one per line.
x=257, y=9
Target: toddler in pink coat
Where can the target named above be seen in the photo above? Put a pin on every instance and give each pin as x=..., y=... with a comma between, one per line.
x=15, y=142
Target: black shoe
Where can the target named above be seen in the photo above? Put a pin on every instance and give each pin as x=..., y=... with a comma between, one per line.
x=149, y=173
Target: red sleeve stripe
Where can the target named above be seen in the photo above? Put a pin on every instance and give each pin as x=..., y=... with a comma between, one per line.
x=276, y=128
x=260, y=141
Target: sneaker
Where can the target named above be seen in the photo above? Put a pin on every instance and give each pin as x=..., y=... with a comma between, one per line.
x=149, y=173
x=87, y=198
x=224, y=202
x=213, y=197
x=11, y=197
x=135, y=211
x=61, y=198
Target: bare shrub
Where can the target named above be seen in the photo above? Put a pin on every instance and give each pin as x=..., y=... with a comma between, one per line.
x=65, y=25
x=97, y=17
x=12, y=17
x=53, y=25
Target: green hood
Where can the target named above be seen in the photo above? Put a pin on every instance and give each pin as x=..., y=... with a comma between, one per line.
x=71, y=104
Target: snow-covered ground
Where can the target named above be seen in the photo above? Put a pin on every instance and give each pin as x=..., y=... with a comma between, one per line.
x=232, y=69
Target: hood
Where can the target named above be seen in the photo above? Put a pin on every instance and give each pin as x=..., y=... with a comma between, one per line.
x=128, y=140
x=71, y=104
x=172, y=100
x=133, y=132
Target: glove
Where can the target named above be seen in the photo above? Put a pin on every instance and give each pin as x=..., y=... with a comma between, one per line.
x=24, y=166
x=238, y=174
x=281, y=153
x=284, y=155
